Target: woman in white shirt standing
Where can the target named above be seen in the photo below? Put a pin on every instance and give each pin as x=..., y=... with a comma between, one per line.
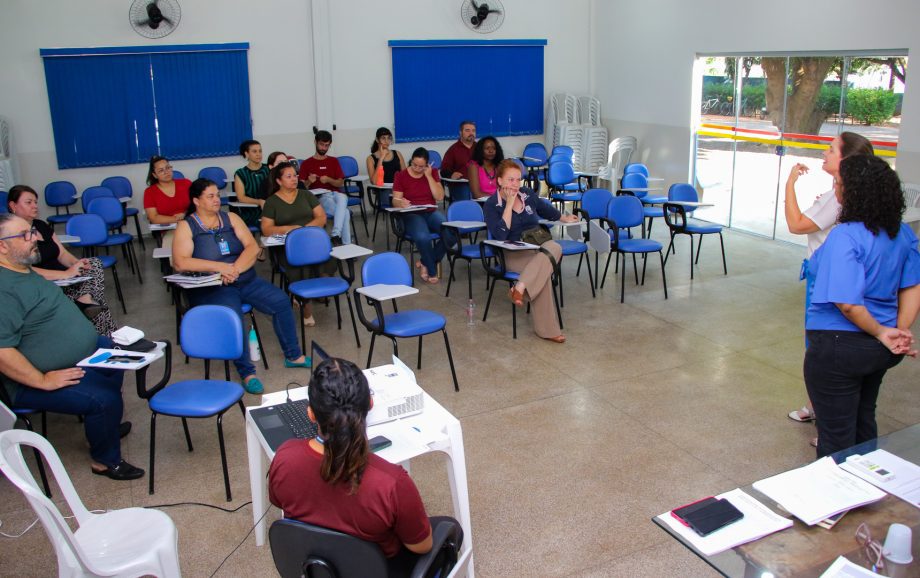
x=818, y=220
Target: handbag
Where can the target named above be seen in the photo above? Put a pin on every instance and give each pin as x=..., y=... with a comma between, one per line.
x=536, y=235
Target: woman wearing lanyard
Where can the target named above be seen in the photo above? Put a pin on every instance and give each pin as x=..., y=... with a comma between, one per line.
x=508, y=214
x=211, y=241
x=865, y=297
x=817, y=221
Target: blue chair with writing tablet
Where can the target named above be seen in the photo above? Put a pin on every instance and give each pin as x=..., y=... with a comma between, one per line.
x=207, y=332
x=59, y=194
x=92, y=231
x=625, y=212
x=353, y=189
x=677, y=218
x=111, y=211
x=393, y=269
x=464, y=211
x=311, y=246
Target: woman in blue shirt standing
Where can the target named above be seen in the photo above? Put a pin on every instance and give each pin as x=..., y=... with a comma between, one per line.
x=865, y=297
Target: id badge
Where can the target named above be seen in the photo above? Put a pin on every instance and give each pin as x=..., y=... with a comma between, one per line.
x=224, y=247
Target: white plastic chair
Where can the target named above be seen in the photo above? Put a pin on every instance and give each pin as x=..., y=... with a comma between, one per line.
x=911, y=194
x=127, y=542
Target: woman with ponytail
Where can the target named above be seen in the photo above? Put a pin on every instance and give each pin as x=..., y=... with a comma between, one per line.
x=335, y=482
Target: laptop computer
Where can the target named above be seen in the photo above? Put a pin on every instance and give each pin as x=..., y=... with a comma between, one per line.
x=281, y=422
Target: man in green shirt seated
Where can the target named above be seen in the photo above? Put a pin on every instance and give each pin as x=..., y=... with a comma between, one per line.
x=42, y=337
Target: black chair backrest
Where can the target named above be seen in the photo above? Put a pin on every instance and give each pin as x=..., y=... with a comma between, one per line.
x=301, y=549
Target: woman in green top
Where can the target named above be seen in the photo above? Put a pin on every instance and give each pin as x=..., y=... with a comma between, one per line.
x=286, y=209
x=247, y=181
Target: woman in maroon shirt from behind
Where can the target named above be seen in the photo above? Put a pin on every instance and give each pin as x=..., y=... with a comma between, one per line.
x=335, y=482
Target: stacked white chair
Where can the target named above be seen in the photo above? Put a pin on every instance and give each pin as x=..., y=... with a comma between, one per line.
x=589, y=110
x=575, y=121
x=595, y=149
x=7, y=178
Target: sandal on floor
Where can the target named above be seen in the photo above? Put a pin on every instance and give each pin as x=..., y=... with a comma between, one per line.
x=517, y=297
x=558, y=339
x=423, y=273
x=797, y=415
x=253, y=385
x=309, y=321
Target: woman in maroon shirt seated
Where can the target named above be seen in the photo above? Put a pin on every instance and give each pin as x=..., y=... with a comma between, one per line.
x=333, y=480
x=419, y=184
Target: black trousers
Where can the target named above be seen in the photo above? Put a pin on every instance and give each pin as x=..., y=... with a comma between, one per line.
x=843, y=374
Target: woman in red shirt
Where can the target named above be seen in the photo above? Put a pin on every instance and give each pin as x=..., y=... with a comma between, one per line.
x=420, y=185
x=165, y=200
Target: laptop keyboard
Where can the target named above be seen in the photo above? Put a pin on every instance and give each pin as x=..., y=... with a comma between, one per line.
x=295, y=414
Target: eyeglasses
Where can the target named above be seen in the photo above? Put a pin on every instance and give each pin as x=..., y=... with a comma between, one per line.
x=872, y=548
x=26, y=235
x=418, y=167
x=163, y=170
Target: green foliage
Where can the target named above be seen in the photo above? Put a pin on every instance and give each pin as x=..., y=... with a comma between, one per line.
x=871, y=105
x=829, y=99
x=720, y=91
x=753, y=96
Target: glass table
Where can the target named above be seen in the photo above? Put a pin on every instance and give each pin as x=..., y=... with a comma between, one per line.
x=807, y=551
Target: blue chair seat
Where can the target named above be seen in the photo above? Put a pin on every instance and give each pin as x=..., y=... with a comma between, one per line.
x=196, y=398
x=653, y=200
x=319, y=287
x=703, y=229
x=573, y=196
x=117, y=239
x=512, y=275
x=571, y=247
x=131, y=211
x=107, y=260
x=639, y=245
x=352, y=201
x=472, y=252
x=653, y=212
x=246, y=308
x=59, y=218
x=412, y=323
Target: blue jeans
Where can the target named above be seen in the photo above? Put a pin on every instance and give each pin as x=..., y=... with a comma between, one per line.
x=265, y=298
x=97, y=397
x=418, y=227
x=336, y=205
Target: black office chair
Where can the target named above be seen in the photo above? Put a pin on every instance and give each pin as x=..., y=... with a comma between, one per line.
x=302, y=549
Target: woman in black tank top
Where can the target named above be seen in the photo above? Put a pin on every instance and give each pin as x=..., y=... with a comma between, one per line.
x=391, y=160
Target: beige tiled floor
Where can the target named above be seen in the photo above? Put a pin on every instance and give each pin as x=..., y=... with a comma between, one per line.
x=570, y=449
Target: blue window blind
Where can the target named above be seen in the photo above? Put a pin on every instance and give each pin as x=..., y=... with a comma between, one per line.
x=429, y=104
x=121, y=105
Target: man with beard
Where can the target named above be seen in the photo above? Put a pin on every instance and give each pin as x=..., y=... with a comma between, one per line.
x=453, y=165
x=323, y=172
x=42, y=337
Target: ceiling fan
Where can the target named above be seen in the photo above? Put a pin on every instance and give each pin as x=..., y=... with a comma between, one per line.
x=482, y=17
x=154, y=18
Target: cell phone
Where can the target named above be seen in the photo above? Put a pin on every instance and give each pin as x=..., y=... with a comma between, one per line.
x=378, y=443
x=682, y=511
x=712, y=517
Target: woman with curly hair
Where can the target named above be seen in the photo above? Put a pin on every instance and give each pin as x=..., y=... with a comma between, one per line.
x=865, y=297
x=487, y=155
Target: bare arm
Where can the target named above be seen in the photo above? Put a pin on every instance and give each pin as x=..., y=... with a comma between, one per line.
x=250, y=248
x=472, y=175
x=371, y=163
x=896, y=340
x=398, y=200
x=908, y=306
x=15, y=366
x=338, y=183
x=240, y=191
x=798, y=223
x=437, y=190
x=156, y=218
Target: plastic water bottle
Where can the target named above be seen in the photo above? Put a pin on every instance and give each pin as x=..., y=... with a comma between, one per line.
x=378, y=175
x=471, y=313
x=254, y=354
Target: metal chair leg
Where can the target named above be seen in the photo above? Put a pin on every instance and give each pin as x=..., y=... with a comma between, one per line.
x=419, y=365
x=450, y=360
x=370, y=353
x=153, y=439
x=188, y=437
x=223, y=455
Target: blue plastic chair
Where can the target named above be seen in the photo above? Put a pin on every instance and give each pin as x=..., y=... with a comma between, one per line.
x=639, y=181
x=60, y=194
x=354, y=189
x=636, y=168
x=113, y=213
x=399, y=231
x=563, y=183
x=208, y=332
x=593, y=207
x=216, y=174
x=311, y=246
x=676, y=217
x=4, y=207
x=534, y=158
x=458, y=192
x=572, y=247
x=624, y=212
x=91, y=230
x=177, y=174
x=90, y=194
x=464, y=211
x=24, y=414
x=434, y=159
x=392, y=269
x=564, y=150
x=121, y=186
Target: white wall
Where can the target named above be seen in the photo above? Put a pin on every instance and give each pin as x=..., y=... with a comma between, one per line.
x=644, y=61
x=281, y=65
